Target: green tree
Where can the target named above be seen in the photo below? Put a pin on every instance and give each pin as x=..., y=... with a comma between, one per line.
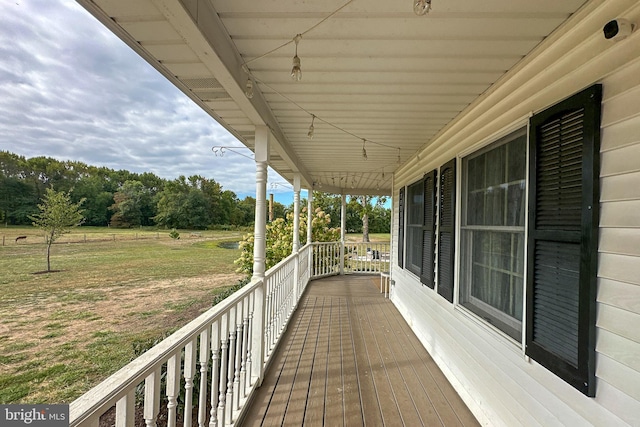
x=365, y=208
x=58, y=215
x=129, y=203
x=330, y=204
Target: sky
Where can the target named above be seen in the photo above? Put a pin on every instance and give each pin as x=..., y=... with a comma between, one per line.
x=71, y=90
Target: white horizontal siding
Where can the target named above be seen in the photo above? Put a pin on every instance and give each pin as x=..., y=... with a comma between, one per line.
x=618, y=320
x=619, y=294
x=622, y=350
x=620, y=187
x=489, y=371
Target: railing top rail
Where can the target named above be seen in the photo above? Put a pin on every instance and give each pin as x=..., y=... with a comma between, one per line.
x=115, y=386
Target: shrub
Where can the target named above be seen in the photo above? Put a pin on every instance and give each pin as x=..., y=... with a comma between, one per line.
x=280, y=238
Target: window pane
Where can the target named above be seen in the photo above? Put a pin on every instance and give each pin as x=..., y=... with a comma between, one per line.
x=492, y=239
x=415, y=211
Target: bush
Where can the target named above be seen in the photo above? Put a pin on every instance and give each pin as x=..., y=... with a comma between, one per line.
x=280, y=239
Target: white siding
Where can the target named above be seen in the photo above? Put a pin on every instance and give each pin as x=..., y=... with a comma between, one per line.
x=490, y=371
x=618, y=321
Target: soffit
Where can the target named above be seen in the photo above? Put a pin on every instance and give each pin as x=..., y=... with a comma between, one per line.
x=374, y=70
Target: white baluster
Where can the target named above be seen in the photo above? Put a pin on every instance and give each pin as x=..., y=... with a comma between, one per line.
x=125, y=410
x=204, y=365
x=173, y=388
x=231, y=364
x=152, y=398
x=189, y=371
x=238, y=353
x=250, y=341
x=224, y=334
x=245, y=345
x=215, y=361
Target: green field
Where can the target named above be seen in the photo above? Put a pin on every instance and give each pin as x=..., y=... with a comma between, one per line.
x=113, y=296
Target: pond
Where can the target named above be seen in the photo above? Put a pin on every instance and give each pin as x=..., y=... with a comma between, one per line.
x=229, y=245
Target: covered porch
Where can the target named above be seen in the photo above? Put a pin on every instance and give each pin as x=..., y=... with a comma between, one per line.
x=399, y=102
x=306, y=345
x=349, y=358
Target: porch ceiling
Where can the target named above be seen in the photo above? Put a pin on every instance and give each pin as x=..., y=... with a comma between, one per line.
x=374, y=70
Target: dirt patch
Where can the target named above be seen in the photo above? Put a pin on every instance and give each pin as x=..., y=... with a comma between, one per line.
x=78, y=316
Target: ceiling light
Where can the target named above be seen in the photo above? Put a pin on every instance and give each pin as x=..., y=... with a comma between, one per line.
x=364, y=150
x=311, y=128
x=421, y=7
x=248, y=88
x=296, y=71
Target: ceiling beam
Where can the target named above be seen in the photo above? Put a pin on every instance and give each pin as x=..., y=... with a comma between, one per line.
x=199, y=25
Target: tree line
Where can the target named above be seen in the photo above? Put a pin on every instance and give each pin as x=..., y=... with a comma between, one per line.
x=120, y=198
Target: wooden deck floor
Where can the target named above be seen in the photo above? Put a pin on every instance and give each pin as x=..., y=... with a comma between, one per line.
x=348, y=358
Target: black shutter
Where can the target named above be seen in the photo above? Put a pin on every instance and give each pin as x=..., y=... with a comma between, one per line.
x=446, y=232
x=401, y=228
x=429, y=229
x=562, y=240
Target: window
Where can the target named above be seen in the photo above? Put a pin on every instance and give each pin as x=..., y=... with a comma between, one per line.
x=415, y=200
x=562, y=240
x=401, y=227
x=492, y=233
x=562, y=212
x=420, y=229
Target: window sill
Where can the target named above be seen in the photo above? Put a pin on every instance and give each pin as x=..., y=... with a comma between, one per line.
x=517, y=347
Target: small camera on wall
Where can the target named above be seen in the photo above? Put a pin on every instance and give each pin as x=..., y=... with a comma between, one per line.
x=618, y=29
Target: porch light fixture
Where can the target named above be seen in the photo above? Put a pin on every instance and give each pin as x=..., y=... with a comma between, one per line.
x=296, y=71
x=311, y=128
x=364, y=150
x=421, y=7
x=399, y=160
x=248, y=88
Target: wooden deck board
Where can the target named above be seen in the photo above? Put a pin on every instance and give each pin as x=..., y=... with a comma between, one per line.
x=349, y=358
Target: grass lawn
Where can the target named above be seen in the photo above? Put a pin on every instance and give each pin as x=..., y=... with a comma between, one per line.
x=61, y=333
x=373, y=237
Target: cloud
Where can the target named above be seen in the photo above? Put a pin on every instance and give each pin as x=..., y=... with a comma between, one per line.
x=71, y=90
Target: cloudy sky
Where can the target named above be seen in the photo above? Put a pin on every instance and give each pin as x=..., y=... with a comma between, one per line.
x=71, y=90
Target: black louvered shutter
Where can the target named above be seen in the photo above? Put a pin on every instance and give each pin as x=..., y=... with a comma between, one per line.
x=401, y=228
x=446, y=231
x=429, y=229
x=562, y=240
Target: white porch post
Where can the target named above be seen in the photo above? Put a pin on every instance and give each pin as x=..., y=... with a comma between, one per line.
x=343, y=226
x=296, y=236
x=310, y=231
x=309, y=216
x=296, y=213
x=259, y=251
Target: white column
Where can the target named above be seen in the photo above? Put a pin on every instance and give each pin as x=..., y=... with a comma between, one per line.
x=309, y=215
x=259, y=250
x=260, y=227
x=343, y=226
x=296, y=213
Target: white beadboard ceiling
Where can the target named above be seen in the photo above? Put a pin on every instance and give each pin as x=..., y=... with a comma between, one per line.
x=375, y=70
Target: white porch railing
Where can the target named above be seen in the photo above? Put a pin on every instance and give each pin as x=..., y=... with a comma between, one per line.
x=206, y=371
